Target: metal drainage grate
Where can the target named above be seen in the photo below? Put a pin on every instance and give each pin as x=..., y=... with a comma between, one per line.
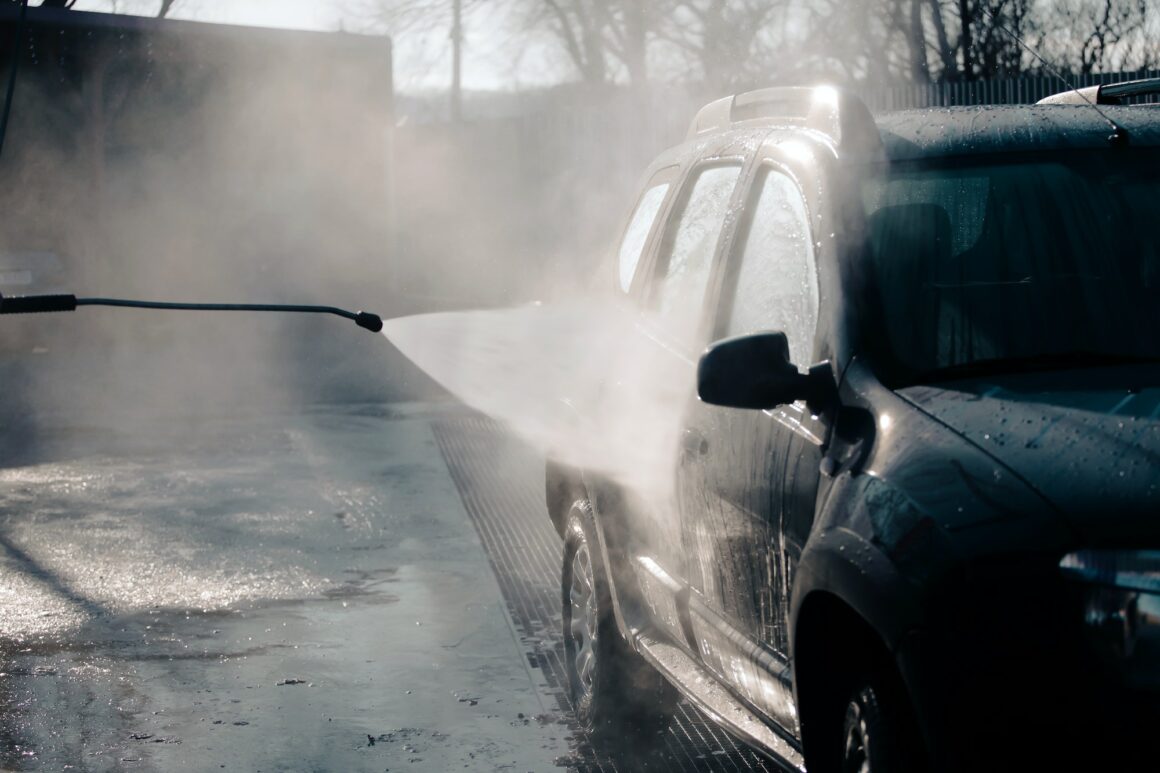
x=502, y=486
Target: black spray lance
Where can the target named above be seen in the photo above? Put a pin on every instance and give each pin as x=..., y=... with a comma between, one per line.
x=39, y=304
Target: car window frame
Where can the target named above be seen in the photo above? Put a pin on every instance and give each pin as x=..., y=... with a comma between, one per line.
x=730, y=264
x=657, y=271
x=671, y=175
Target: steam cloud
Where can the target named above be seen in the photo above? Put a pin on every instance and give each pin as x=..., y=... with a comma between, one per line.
x=179, y=161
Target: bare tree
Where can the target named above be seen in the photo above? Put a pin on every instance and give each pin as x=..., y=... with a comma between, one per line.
x=1099, y=35
x=604, y=40
x=935, y=40
x=718, y=46
x=630, y=30
x=1000, y=25
x=989, y=38
x=916, y=42
x=578, y=26
x=424, y=18
x=942, y=46
x=867, y=40
x=729, y=43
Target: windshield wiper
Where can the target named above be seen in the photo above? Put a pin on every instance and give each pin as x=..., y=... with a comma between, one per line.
x=1039, y=362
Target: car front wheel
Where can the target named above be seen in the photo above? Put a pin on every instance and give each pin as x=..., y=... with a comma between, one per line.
x=872, y=733
x=615, y=693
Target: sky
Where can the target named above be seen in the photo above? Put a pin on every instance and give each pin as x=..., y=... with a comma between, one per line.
x=422, y=60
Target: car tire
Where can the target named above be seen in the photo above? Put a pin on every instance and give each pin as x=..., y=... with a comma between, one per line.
x=874, y=737
x=616, y=694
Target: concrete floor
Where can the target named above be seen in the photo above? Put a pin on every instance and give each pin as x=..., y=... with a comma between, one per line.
x=288, y=591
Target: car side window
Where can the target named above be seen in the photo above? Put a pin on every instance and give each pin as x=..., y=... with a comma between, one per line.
x=635, y=236
x=776, y=278
x=692, y=242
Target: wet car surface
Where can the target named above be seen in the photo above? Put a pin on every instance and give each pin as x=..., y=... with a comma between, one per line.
x=318, y=588
x=499, y=477
x=913, y=472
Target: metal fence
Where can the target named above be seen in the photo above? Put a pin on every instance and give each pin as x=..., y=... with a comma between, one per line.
x=998, y=91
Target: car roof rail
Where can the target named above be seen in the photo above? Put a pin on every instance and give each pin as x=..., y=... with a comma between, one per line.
x=834, y=112
x=1106, y=94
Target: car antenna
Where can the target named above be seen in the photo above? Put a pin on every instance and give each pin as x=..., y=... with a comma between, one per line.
x=1119, y=135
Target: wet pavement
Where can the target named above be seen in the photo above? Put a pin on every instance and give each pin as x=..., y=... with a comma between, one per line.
x=307, y=588
x=284, y=592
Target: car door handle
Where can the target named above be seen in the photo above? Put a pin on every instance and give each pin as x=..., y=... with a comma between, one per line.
x=693, y=444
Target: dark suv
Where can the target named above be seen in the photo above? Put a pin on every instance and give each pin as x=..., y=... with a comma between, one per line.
x=916, y=521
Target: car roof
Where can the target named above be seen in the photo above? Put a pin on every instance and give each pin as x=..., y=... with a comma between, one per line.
x=968, y=131
x=931, y=133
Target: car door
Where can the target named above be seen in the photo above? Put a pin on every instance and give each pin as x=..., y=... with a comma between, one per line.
x=744, y=475
x=673, y=330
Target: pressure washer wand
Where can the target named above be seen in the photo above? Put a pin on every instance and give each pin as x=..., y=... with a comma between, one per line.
x=40, y=304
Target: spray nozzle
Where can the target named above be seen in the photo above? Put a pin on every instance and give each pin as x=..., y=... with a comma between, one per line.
x=34, y=304
x=372, y=322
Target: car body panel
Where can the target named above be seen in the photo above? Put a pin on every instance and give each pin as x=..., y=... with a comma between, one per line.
x=972, y=131
x=934, y=513
x=1088, y=441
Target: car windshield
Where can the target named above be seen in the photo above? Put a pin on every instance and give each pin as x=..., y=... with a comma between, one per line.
x=1003, y=265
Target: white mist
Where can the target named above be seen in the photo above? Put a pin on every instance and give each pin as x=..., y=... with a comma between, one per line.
x=582, y=383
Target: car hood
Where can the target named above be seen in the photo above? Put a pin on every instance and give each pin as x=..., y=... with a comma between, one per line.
x=1088, y=442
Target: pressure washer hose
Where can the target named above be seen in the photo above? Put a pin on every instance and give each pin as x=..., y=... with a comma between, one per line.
x=41, y=304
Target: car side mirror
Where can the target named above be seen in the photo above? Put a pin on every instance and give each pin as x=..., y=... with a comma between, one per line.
x=754, y=371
